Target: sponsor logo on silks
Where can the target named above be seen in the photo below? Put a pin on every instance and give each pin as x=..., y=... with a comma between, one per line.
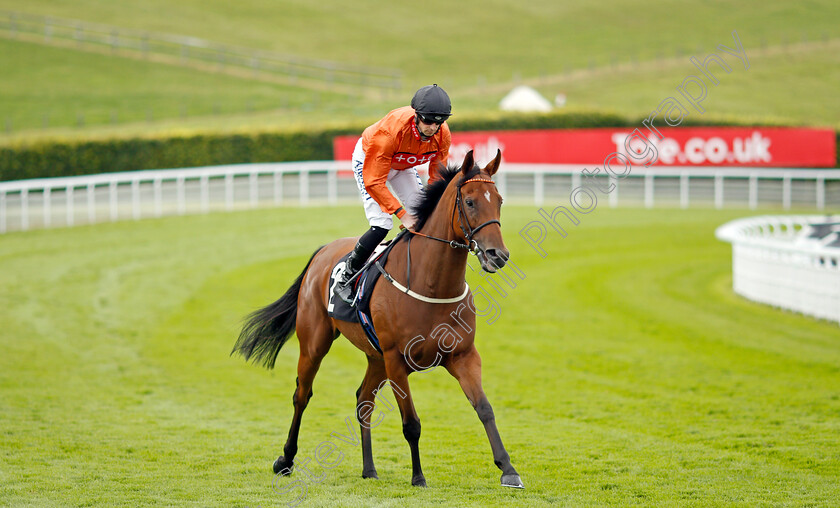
x=414, y=160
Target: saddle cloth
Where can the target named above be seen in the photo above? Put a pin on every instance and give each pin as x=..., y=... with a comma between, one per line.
x=359, y=311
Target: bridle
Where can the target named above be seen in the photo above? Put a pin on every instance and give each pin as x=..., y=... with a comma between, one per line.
x=471, y=245
x=464, y=222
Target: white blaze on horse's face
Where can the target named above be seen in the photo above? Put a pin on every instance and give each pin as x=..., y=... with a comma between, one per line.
x=487, y=196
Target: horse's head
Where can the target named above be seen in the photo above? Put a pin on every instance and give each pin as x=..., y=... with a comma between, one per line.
x=478, y=208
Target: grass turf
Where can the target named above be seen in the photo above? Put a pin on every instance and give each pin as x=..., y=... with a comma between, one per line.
x=622, y=370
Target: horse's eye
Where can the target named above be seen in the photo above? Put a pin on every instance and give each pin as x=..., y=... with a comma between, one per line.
x=469, y=202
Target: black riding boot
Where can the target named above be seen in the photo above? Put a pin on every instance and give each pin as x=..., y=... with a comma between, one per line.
x=356, y=260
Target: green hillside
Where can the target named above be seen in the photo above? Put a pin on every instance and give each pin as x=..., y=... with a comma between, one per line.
x=620, y=55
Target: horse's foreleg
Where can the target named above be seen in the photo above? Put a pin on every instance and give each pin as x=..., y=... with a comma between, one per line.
x=397, y=372
x=466, y=368
x=365, y=399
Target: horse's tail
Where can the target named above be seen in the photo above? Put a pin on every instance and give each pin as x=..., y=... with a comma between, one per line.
x=267, y=329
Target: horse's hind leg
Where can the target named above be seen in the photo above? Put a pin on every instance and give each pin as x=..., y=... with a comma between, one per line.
x=365, y=395
x=466, y=368
x=397, y=372
x=315, y=342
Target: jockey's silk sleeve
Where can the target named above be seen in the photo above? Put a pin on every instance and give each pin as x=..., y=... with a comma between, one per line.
x=378, y=158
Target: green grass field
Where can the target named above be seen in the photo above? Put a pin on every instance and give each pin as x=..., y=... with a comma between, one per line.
x=477, y=51
x=623, y=371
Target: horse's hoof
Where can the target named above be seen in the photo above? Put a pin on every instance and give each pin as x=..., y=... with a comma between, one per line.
x=512, y=480
x=283, y=466
x=419, y=481
x=370, y=474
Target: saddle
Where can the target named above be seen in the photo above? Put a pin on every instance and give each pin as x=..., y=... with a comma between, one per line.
x=363, y=284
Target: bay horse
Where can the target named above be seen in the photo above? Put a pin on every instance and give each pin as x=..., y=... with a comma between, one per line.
x=456, y=214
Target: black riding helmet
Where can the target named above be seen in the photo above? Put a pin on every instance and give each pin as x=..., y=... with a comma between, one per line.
x=432, y=103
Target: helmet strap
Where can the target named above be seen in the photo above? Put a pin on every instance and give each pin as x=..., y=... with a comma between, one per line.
x=418, y=132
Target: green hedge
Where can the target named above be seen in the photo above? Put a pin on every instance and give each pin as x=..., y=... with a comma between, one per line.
x=63, y=158
x=68, y=158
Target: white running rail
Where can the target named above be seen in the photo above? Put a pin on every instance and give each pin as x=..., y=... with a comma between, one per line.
x=791, y=262
x=69, y=201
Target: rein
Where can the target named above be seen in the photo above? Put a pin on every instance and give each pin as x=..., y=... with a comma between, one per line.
x=471, y=245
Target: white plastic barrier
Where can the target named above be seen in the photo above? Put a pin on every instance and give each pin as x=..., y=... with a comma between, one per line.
x=791, y=262
x=50, y=202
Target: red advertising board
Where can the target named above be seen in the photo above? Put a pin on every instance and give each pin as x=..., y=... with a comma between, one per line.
x=678, y=146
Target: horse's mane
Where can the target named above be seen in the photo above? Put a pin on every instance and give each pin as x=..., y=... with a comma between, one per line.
x=431, y=194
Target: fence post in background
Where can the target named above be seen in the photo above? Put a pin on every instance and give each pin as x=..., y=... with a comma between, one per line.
x=575, y=181
x=820, y=193
x=278, y=187
x=786, y=192
x=718, y=190
x=501, y=183
x=71, y=212
x=157, y=185
x=614, y=194
x=24, y=209
x=47, y=210
x=204, y=193
x=91, y=203
x=304, y=187
x=684, y=195
x=47, y=30
x=332, y=187
x=255, y=65
x=181, y=195
x=112, y=201
x=753, y=191
x=2, y=211
x=229, y=191
x=253, y=189
x=649, y=190
x=135, y=199
x=539, y=188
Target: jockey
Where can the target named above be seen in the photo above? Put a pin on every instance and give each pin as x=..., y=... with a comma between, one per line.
x=390, y=151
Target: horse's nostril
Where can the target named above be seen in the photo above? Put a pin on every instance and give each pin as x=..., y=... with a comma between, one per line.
x=496, y=257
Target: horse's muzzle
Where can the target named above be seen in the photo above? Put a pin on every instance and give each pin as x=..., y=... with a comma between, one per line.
x=493, y=259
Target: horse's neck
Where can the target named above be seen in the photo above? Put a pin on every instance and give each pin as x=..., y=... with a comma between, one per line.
x=438, y=269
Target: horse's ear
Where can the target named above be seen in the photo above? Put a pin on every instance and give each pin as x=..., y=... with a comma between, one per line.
x=494, y=164
x=468, y=164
